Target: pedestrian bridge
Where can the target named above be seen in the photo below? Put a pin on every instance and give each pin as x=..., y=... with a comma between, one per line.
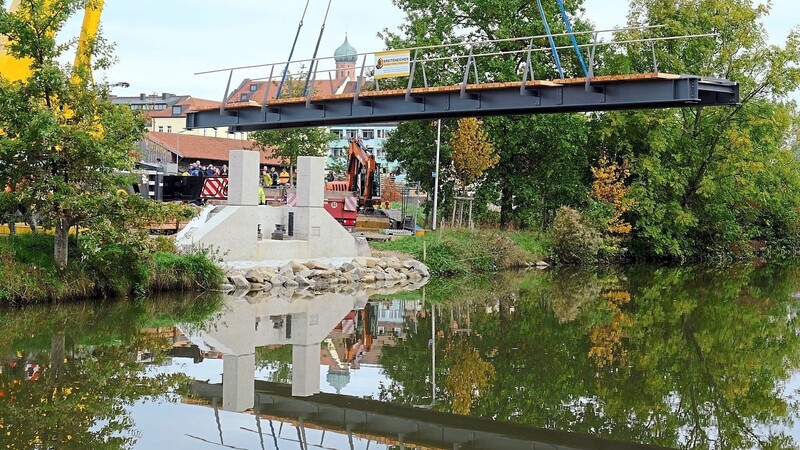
x=600, y=93
x=362, y=100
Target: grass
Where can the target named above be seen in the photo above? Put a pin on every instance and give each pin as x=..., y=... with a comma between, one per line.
x=460, y=252
x=30, y=274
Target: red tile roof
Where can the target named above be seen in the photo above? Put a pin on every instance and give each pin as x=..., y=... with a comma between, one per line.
x=322, y=88
x=190, y=146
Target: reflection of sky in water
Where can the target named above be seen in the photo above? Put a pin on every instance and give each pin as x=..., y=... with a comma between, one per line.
x=172, y=425
x=364, y=382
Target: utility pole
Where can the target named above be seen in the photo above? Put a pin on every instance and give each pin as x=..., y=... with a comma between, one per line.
x=436, y=173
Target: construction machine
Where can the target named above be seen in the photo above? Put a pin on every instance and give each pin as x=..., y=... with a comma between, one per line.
x=353, y=201
x=17, y=69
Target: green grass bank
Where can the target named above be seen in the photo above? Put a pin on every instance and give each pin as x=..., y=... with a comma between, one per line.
x=460, y=252
x=29, y=274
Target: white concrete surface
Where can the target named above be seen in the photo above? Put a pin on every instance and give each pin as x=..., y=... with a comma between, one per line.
x=232, y=231
x=310, y=181
x=243, y=180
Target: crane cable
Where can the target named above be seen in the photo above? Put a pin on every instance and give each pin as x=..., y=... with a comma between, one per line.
x=291, y=52
x=314, y=58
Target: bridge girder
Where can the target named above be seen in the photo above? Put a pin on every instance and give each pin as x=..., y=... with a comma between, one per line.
x=533, y=97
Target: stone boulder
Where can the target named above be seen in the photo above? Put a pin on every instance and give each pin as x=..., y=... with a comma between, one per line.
x=240, y=282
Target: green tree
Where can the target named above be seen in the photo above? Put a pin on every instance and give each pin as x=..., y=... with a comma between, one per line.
x=289, y=144
x=65, y=142
x=540, y=168
x=710, y=180
x=413, y=145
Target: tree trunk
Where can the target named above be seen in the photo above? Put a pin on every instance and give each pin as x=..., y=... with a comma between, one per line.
x=57, y=355
x=506, y=207
x=61, y=250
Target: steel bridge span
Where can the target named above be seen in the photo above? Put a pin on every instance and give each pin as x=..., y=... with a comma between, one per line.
x=599, y=93
x=401, y=426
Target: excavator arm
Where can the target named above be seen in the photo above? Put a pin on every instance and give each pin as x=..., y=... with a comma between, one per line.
x=360, y=163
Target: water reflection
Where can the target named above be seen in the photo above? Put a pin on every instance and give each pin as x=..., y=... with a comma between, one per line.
x=686, y=358
x=67, y=373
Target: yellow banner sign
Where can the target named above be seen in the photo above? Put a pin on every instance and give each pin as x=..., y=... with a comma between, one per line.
x=392, y=64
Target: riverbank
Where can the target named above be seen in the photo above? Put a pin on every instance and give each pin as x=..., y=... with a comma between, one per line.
x=460, y=252
x=29, y=273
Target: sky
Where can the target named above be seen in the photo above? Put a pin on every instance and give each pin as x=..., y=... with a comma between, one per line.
x=161, y=44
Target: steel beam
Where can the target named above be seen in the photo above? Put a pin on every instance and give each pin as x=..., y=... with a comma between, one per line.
x=483, y=100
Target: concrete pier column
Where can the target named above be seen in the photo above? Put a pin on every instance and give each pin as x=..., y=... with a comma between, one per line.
x=305, y=370
x=243, y=174
x=238, y=381
x=310, y=195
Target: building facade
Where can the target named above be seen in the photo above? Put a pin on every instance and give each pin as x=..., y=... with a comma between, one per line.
x=167, y=113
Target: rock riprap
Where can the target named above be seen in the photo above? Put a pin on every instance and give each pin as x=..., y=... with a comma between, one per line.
x=320, y=276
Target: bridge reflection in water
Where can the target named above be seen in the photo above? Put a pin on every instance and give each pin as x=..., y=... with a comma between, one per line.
x=304, y=322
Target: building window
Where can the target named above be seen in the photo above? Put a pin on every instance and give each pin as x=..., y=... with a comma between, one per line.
x=253, y=87
x=176, y=110
x=160, y=129
x=338, y=133
x=243, y=97
x=381, y=134
x=169, y=128
x=352, y=134
x=368, y=134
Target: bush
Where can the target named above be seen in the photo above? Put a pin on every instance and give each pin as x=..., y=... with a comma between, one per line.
x=185, y=272
x=458, y=252
x=575, y=240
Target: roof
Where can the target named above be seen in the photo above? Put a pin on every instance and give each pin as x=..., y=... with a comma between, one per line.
x=160, y=105
x=187, y=104
x=190, y=146
x=323, y=88
x=345, y=52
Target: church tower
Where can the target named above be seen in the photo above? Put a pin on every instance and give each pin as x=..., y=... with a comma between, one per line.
x=345, y=57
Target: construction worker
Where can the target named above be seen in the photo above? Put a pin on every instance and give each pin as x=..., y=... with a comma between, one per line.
x=266, y=178
x=283, y=178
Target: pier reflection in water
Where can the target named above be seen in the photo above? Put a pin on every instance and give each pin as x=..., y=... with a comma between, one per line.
x=304, y=323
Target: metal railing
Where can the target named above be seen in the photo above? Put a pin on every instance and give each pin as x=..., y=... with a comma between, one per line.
x=423, y=55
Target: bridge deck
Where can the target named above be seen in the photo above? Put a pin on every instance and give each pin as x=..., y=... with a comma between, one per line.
x=395, y=424
x=632, y=91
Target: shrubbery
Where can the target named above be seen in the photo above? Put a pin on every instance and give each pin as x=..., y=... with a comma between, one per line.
x=575, y=239
x=30, y=273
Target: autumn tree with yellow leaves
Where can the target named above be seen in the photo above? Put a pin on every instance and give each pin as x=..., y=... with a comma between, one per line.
x=473, y=152
x=609, y=188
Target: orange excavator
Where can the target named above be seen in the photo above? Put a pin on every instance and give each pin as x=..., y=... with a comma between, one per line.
x=361, y=178
x=359, y=192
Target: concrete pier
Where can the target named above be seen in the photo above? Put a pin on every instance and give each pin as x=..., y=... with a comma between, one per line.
x=232, y=230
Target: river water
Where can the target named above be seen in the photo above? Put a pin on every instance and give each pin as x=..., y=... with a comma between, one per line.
x=644, y=357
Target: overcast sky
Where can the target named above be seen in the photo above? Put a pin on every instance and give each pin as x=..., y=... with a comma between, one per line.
x=160, y=44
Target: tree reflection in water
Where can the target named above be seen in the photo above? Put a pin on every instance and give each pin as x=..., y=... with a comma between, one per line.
x=69, y=371
x=680, y=357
